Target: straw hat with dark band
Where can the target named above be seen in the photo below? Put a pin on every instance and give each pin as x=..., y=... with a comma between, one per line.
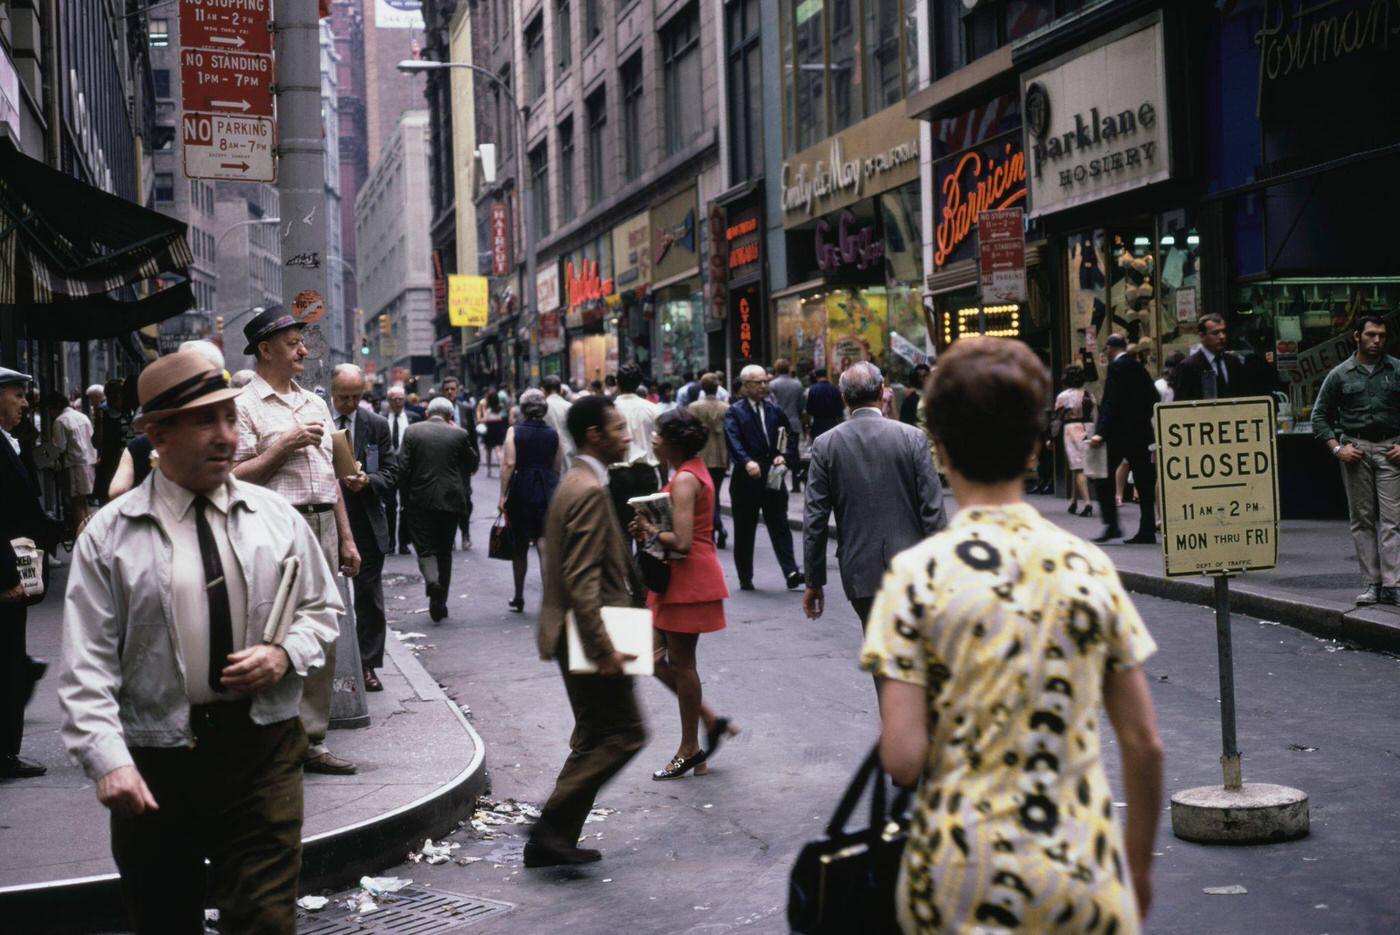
x=177, y=382
x=265, y=324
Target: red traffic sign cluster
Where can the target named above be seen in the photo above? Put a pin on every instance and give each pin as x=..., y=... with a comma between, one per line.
x=226, y=76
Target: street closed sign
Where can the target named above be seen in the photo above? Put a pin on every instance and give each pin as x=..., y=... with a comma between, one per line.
x=1217, y=472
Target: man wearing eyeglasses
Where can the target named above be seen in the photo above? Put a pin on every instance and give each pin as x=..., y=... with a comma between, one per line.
x=752, y=427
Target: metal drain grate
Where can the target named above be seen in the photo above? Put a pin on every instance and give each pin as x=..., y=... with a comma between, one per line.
x=413, y=910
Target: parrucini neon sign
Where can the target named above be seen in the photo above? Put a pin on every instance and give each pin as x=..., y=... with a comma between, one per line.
x=976, y=184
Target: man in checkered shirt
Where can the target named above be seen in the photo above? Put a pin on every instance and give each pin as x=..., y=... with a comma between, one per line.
x=284, y=444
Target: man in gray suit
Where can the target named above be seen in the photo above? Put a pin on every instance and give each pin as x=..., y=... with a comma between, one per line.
x=435, y=456
x=876, y=473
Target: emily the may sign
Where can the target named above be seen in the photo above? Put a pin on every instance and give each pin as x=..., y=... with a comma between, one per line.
x=1217, y=471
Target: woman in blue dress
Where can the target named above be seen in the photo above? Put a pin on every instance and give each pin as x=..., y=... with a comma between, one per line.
x=529, y=474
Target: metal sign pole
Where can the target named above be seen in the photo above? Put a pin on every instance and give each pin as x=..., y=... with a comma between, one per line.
x=1230, y=753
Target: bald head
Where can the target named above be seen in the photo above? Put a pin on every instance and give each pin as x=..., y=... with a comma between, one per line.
x=347, y=386
x=753, y=382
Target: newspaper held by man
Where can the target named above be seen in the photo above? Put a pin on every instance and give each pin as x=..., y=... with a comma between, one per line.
x=656, y=509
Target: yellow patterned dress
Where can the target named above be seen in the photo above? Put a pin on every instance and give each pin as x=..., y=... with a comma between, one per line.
x=1010, y=623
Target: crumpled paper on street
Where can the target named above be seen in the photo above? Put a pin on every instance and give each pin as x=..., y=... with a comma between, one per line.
x=313, y=903
x=491, y=814
x=1232, y=890
x=433, y=853
x=599, y=814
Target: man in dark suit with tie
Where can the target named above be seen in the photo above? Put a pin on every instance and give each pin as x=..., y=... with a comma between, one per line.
x=1125, y=425
x=400, y=417
x=1211, y=372
x=435, y=456
x=751, y=428
x=464, y=417
x=23, y=516
x=379, y=471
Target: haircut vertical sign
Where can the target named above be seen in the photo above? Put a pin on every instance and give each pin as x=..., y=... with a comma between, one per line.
x=1217, y=470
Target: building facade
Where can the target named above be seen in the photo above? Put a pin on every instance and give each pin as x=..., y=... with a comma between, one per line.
x=395, y=271
x=248, y=262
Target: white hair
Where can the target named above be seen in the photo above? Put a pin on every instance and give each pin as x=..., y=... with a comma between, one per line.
x=96, y=389
x=206, y=349
x=440, y=406
x=242, y=378
x=348, y=370
x=861, y=382
x=752, y=372
x=398, y=389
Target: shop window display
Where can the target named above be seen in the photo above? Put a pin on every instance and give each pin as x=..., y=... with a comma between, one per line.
x=681, y=322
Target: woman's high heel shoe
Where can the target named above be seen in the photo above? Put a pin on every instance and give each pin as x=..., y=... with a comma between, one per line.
x=1074, y=507
x=517, y=604
x=1088, y=510
x=721, y=729
x=679, y=766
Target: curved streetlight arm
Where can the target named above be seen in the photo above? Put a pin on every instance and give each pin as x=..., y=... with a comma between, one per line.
x=248, y=223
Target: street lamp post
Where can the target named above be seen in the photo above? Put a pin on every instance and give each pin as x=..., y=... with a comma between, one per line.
x=232, y=227
x=523, y=180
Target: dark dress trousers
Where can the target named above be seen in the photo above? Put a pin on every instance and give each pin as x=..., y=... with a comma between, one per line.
x=1195, y=379
x=22, y=516
x=398, y=533
x=1125, y=423
x=751, y=498
x=370, y=527
x=466, y=421
x=435, y=456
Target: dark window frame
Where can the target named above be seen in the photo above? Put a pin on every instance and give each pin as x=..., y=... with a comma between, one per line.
x=596, y=108
x=563, y=35
x=535, y=70
x=745, y=101
x=680, y=39
x=633, y=91
x=538, y=163
x=567, y=197
x=592, y=21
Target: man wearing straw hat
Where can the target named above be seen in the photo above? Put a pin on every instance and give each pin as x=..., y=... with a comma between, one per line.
x=172, y=701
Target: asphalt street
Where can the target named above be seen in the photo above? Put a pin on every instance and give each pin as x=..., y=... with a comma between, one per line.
x=712, y=854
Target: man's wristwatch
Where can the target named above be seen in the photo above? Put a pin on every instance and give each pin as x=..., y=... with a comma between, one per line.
x=1337, y=452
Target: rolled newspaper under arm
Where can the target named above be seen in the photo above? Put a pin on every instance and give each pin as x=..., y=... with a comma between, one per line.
x=283, y=608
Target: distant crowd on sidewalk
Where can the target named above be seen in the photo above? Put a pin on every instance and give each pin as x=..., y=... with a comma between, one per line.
x=198, y=502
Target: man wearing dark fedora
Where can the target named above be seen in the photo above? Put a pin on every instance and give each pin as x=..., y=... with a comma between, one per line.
x=174, y=701
x=284, y=444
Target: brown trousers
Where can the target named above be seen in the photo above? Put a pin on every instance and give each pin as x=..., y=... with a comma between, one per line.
x=235, y=799
x=608, y=732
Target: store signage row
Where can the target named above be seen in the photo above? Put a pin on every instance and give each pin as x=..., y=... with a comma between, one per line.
x=717, y=281
x=468, y=301
x=1001, y=254
x=680, y=235
x=226, y=75
x=1097, y=124
x=547, y=287
x=631, y=245
x=500, y=239
x=853, y=246
x=585, y=284
x=979, y=180
x=876, y=155
x=744, y=241
x=675, y=238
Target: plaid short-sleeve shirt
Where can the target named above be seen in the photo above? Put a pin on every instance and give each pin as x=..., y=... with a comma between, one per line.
x=307, y=476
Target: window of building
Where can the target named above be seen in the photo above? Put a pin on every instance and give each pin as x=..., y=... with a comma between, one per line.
x=592, y=20
x=563, y=34
x=534, y=57
x=159, y=33
x=847, y=98
x=680, y=66
x=883, y=63
x=161, y=77
x=539, y=188
x=632, y=117
x=566, y=171
x=745, y=90
x=505, y=120
x=597, y=108
x=809, y=106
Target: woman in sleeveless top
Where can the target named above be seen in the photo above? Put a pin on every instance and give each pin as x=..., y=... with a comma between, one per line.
x=529, y=474
x=1074, y=407
x=694, y=598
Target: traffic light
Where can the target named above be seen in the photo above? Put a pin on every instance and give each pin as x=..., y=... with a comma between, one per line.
x=364, y=347
x=386, y=327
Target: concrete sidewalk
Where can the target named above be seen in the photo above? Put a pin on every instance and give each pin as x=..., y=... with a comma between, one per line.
x=1312, y=589
x=421, y=768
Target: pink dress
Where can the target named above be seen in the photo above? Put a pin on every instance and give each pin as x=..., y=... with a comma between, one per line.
x=694, y=600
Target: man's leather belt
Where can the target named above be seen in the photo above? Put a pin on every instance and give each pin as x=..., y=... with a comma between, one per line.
x=306, y=509
x=1374, y=433
x=221, y=714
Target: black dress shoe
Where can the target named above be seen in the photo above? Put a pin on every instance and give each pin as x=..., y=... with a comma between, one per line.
x=1141, y=540
x=372, y=683
x=403, y=550
x=516, y=604
x=722, y=538
x=795, y=580
x=547, y=855
x=747, y=586
x=1113, y=532
x=17, y=767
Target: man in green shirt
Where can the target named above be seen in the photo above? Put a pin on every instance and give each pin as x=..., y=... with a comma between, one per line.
x=1357, y=416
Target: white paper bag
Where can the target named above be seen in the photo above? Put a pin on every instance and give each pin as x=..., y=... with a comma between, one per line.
x=1096, y=462
x=629, y=628
x=29, y=562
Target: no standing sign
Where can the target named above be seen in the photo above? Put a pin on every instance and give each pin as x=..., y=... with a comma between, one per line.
x=226, y=75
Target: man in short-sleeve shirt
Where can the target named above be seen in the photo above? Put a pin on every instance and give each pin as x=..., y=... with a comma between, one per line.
x=284, y=444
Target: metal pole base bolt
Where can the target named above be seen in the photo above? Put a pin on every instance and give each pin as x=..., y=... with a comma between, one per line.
x=1236, y=812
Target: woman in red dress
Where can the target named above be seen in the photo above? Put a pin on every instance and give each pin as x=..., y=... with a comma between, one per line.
x=694, y=598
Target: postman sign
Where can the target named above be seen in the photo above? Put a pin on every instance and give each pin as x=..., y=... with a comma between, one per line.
x=219, y=24
x=218, y=146
x=1217, y=471
x=228, y=82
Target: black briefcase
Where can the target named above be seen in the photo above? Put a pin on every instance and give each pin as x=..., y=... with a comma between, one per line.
x=846, y=881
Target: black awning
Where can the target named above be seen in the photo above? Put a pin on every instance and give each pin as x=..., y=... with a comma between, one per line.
x=70, y=253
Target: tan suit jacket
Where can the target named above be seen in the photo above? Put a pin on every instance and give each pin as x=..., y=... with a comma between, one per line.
x=710, y=412
x=586, y=566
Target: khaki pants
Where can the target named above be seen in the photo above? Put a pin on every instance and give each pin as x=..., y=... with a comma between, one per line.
x=316, y=687
x=1373, y=492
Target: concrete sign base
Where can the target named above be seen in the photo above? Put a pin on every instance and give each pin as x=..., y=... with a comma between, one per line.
x=1256, y=813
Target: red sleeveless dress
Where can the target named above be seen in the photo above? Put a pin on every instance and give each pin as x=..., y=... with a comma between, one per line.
x=694, y=600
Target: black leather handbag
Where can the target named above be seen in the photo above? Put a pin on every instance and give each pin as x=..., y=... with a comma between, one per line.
x=656, y=573
x=846, y=881
x=502, y=543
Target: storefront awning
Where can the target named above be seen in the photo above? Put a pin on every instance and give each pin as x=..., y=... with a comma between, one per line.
x=66, y=249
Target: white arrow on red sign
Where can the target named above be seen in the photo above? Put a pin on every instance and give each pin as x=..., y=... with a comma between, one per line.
x=226, y=74
x=220, y=146
x=220, y=24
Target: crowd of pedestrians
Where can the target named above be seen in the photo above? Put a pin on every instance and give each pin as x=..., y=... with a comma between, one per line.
x=211, y=488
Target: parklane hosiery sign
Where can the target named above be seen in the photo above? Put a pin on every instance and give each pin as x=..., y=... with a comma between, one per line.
x=1096, y=122
x=873, y=156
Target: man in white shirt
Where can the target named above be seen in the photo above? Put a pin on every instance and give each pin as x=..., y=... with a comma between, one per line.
x=400, y=418
x=637, y=475
x=557, y=416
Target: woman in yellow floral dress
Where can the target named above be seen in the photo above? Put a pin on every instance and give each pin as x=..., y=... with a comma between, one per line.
x=995, y=641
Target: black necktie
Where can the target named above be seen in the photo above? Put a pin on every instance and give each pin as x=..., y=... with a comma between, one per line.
x=394, y=440
x=216, y=590
x=1221, y=382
